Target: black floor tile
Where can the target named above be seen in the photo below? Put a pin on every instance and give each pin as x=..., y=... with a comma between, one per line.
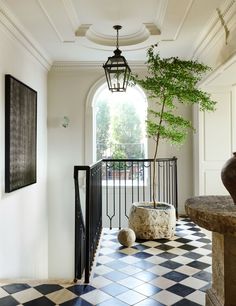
x=194, y=229
x=175, y=276
x=203, y=275
x=140, y=247
x=185, y=302
x=13, y=288
x=142, y=255
x=167, y=255
x=204, y=240
x=199, y=234
x=170, y=264
x=198, y=265
x=76, y=302
x=48, y=288
x=8, y=301
x=207, y=247
x=81, y=289
x=181, y=290
x=187, y=247
x=164, y=247
x=43, y=301
x=183, y=240
x=192, y=255
x=190, y=224
x=162, y=240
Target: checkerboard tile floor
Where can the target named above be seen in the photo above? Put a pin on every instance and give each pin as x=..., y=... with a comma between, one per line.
x=161, y=272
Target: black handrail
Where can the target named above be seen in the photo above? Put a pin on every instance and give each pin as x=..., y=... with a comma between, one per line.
x=87, y=227
x=121, y=179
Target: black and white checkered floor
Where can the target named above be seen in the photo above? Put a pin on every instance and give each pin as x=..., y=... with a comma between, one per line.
x=161, y=272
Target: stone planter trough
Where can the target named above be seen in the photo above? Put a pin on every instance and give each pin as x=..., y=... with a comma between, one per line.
x=152, y=223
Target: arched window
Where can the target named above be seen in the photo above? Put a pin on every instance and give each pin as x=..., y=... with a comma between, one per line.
x=119, y=124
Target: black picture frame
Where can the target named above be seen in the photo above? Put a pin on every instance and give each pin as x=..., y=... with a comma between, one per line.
x=20, y=134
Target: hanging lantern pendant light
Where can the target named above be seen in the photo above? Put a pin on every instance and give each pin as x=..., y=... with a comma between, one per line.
x=116, y=68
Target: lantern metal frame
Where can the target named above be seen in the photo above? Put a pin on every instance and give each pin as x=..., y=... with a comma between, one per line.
x=116, y=68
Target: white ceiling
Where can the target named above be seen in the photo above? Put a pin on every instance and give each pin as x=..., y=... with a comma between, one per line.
x=82, y=30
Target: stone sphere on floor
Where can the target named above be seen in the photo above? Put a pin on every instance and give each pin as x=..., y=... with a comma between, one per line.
x=126, y=237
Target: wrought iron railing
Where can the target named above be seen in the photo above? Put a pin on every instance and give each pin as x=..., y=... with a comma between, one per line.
x=131, y=180
x=88, y=217
x=108, y=188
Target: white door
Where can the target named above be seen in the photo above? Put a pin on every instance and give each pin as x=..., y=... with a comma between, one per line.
x=214, y=141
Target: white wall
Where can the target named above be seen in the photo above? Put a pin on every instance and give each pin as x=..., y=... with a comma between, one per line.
x=67, y=95
x=23, y=213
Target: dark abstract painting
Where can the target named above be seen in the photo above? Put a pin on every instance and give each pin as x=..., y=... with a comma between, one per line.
x=20, y=134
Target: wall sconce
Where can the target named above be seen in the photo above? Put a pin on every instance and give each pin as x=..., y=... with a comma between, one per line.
x=65, y=122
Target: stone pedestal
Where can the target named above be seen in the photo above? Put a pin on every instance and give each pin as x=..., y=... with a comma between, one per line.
x=218, y=214
x=152, y=223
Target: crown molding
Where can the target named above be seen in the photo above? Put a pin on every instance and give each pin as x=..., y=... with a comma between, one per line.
x=218, y=71
x=16, y=31
x=214, y=31
x=77, y=66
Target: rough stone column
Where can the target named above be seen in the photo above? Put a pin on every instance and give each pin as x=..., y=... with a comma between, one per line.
x=218, y=214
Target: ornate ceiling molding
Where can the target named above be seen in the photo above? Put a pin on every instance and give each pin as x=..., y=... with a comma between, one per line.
x=22, y=36
x=146, y=30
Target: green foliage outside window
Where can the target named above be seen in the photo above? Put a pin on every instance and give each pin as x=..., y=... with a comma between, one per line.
x=118, y=130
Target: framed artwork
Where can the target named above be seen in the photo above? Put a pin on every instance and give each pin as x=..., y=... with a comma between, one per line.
x=20, y=134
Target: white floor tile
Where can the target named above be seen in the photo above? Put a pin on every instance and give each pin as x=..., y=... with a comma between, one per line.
x=26, y=295
x=61, y=296
x=96, y=296
x=166, y=297
x=159, y=270
x=162, y=282
x=130, y=282
x=100, y=281
x=193, y=282
x=131, y=297
x=187, y=270
x=197, y=297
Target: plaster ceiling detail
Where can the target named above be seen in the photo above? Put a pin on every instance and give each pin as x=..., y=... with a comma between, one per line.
x=214, y=28
x=82, y=30
x=145, y=31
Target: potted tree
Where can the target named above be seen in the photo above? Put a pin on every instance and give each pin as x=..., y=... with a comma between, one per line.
x=169, y=82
